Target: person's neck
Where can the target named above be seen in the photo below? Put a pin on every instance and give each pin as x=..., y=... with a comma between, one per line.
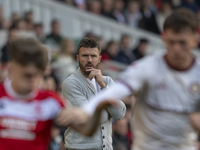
x=17, y=91
x=183, y=66
x=13, y=91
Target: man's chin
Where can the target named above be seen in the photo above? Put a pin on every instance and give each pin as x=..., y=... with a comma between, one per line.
x=87, y=72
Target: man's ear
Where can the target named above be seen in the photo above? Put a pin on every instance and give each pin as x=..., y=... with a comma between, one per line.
x=100, y=58
x=77, y=57
x=10, y=68
x=196, y=41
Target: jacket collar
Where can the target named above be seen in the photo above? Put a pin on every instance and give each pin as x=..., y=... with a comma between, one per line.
x=85, y=81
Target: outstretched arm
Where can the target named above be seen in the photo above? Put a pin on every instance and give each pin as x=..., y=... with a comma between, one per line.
x=80, y=121
x=115, y=92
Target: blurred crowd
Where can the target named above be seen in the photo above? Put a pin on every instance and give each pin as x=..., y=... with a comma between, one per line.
x=145, y=14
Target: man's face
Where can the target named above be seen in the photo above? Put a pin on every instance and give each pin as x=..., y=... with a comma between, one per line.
x=25, y=79
x=179, y=45
x=56, y=28
x=88, y=58
x=126, y=42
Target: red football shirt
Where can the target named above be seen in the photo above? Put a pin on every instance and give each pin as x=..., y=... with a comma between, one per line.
x=26, y=124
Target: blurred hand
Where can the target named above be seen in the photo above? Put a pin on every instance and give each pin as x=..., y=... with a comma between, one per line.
x=195, y=121
x=96, y=73
x=105, y=104
x=71, y=116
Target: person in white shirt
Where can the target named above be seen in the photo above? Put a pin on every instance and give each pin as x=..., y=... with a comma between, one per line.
x=165, y=115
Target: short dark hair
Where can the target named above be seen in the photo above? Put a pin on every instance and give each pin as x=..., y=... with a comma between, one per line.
x=181, y=19
x=89, y=42
x=28, y=50
x=38, y=25
x=144, y=40
x=54, y=21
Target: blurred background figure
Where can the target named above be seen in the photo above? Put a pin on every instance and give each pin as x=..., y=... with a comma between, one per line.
x=111, y=51
x=141, y=49
x=80, y=4
x=94, y=6
x=28, y=17
x=14, y=18
x=118, y=11
x=65, y=63
x=39, y=31
x=166, y=10
x=55, y=38
x=120, y=139
x=148, y=21
x=49, y=82
x=21, y=25
x=190, y=4
x=125, y=56
x=132, y=14
x=107, y=9
x=5, y=50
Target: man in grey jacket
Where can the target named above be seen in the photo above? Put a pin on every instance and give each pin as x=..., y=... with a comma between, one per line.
x=81, y=86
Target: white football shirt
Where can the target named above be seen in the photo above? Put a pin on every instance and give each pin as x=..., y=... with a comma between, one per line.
x=166, y=97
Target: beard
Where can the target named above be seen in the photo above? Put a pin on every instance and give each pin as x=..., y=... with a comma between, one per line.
x=83, y=68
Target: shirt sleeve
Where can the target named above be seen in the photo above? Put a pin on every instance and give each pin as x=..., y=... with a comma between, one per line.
x=114, y=91
x=129, y=81
x=135, y=76
x=57, y=104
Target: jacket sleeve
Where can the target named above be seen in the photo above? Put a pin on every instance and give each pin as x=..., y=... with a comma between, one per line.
x=71, y=91
x=116, y=113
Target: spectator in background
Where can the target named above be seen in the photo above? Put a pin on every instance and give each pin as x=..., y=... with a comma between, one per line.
x=125, y=55
x=190, y=4
x=21, y=25
x=1, y=17
x=198, y=17
x=120, y=139
x=68, y=2
x=94, y=7
x=14, y=18
x=5, y=24
x=54, y=39
x=49, y=82
x=132, y=14
x=3, y=72
x=166, y=10
x=28, y=17
x=107, y=8
x=80, y=4
x=141, y=49
x=65, y=64
x=4, y=51
x=111, y=51
x=148, y=21
x=39, y=31
x=118, y=11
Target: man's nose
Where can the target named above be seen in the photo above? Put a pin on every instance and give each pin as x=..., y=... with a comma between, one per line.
x=177, y=48
x=89, y=58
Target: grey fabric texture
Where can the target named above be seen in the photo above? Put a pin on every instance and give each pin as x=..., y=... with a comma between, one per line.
x=77, y=91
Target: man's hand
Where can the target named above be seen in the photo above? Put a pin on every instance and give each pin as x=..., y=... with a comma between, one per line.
x=195, y=121
x=96, y=73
